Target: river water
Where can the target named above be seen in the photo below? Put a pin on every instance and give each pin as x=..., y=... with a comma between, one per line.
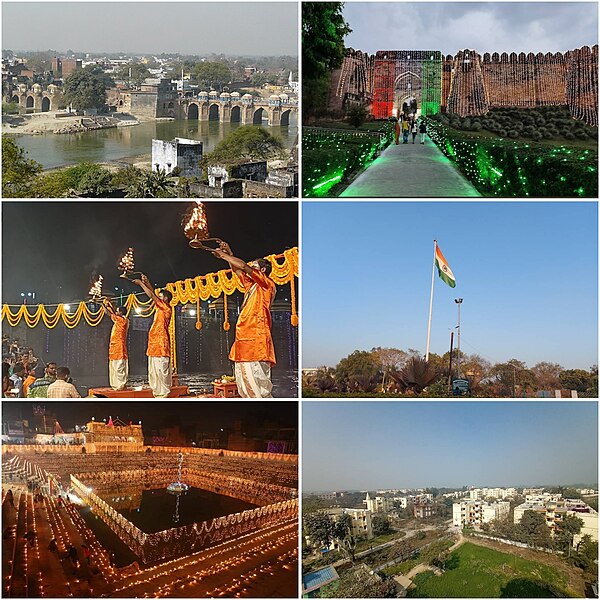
x=106, y=145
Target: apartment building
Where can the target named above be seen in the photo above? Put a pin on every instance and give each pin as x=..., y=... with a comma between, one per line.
x=555, y=509
x=472, y=513
x=361, y=520
x=379, y=503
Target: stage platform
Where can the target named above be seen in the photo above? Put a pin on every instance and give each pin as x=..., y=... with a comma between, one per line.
x=177, y=391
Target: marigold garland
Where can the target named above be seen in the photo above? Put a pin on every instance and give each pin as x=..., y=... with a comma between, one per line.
x=202, y=287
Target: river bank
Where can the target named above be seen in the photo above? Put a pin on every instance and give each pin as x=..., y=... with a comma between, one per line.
x=48, y=122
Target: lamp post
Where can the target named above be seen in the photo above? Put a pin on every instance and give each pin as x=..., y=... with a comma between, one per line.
x=459, y=302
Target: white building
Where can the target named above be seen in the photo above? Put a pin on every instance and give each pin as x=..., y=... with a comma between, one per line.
x=379, y=503
x=555, y=509
x=361, y=520
x=178, y=153
x=472, y=513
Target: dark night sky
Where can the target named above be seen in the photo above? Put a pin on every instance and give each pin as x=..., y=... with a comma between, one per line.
x=50, y=244
x=207, y=416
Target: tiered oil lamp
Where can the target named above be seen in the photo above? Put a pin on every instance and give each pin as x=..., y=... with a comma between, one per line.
x=195, y=228
x=127, y=265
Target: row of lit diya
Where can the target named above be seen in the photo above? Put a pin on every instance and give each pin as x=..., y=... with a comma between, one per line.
x=195, y=228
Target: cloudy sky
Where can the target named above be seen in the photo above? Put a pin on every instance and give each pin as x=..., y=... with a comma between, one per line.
x=482, y=26
x=248, y=28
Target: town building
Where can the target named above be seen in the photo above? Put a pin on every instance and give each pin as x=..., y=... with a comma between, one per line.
x=472, y=513
x=556, y=509
x=361, y=520
x=182, y=154
x=379, y=503
x=422, y=510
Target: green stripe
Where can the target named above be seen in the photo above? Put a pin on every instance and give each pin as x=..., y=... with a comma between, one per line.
x=446, y=278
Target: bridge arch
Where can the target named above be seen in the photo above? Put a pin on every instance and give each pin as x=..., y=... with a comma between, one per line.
x=192, y=112
x=259, y=114
x=213, y=112
x=45, y=104
x=236, y=114
x=285, y=117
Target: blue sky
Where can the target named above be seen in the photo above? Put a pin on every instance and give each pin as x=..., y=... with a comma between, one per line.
x=374, y=445
x=527, y=273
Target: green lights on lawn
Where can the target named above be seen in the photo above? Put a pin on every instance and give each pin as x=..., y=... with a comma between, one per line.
x=332, y=181
x=497, y=171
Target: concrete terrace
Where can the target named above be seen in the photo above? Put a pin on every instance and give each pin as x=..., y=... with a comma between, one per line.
x=409, y=171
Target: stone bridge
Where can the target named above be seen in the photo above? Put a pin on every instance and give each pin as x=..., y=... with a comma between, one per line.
x=233, y=108
x=35, y=98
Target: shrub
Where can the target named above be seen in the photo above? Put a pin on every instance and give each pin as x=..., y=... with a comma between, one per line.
x=513, y=134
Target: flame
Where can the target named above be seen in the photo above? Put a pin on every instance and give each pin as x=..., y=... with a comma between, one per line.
x=197, y=226
x=126, y=263
x=96, y=289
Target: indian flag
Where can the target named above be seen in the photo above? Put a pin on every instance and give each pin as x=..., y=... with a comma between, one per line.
x=444, y=270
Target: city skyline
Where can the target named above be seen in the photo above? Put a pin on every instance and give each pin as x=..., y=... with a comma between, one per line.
x=389, y=445
x=234, y=28
x=480, y=26
x=367, y=280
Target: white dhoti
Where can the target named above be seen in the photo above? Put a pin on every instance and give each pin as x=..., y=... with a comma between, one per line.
x=118, y=373
x=159, y=375
x=253, y=379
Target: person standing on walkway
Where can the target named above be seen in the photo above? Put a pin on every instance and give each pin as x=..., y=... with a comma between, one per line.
x=159, y=341
x=422, y=130
x=118, y=359
x=414, y=130
x=405, y=130
x=397, y=131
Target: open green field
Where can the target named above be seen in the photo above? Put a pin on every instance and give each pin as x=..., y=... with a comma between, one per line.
x=477, y=572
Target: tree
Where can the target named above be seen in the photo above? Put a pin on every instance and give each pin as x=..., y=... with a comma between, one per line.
x=360, y=582
x=380, y=525
x=84, y=89
x=10, y=108
x=356, y=115
x=511, y=378
x=319, y=528
x=578, y=379
x=247, y=141
x=568, y=528
x=532, y=529
x=417, y=374
x=98, y=72
x=259, y=79
x=359, y=371
x=342, y=531
x=323, y=32
x=212, y=74
x=19, y=173
x=96, y=182
x=402, y=550
x=547, y=375
x=150, y=185
x=324, y=379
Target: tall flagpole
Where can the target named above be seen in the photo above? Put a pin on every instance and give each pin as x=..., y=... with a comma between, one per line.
x=430, y=302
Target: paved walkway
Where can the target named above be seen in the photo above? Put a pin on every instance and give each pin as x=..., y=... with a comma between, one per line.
x=408, y=171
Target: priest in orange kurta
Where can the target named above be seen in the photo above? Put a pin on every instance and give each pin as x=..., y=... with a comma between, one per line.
x=159, y=341
x=252, y=351
x=118, y=359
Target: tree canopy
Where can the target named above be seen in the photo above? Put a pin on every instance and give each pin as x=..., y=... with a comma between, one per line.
x=18, y=172
x=85, y=89
x=212, y=74
x=247, y=141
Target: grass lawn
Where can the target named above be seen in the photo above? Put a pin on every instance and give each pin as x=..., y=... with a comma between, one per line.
x=478, y=572
x=404, y=567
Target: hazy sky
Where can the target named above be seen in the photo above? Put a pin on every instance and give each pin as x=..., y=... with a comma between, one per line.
x=527, y=271
x=245, y=28
x=374, y=445
x=482, y=26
